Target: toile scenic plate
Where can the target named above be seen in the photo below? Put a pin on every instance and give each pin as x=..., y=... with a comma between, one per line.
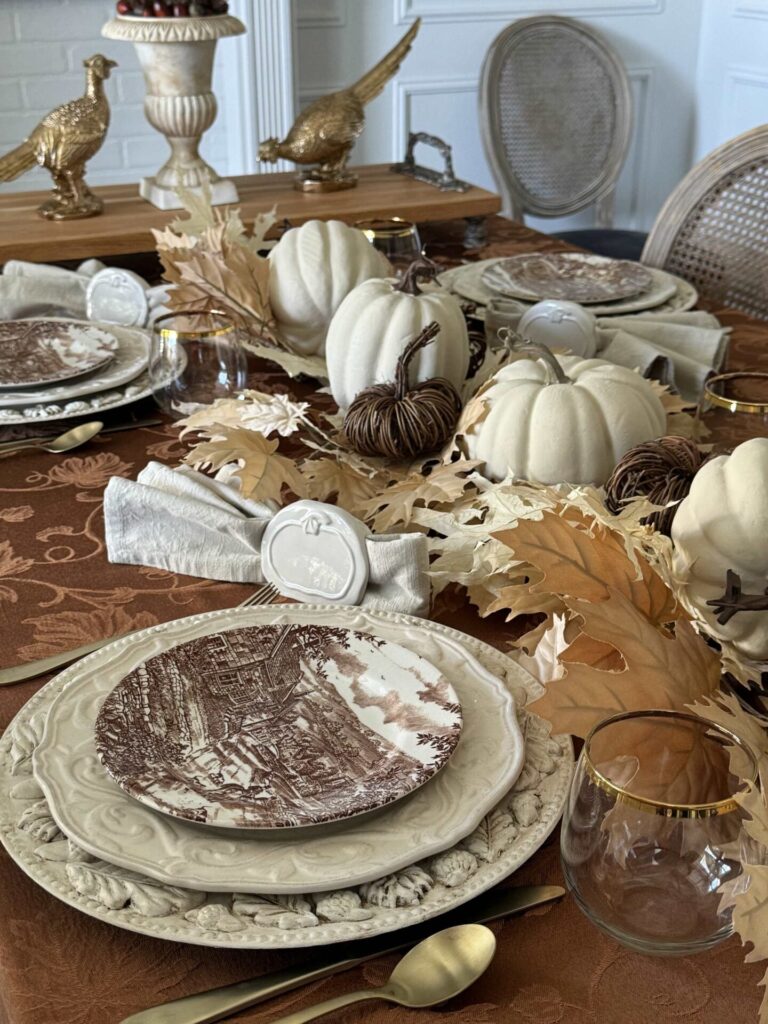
x=38, y=352
x=575, y=276
x=273, y=727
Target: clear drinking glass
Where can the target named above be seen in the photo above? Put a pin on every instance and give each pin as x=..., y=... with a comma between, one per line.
x=195, y=358
x=651, y=829
x=733, y=408
x=398, y=239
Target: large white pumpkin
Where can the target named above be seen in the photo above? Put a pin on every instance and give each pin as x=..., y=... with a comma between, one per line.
x=373, y=325
x=575, y=430
x=723, y=524
x=312, y=269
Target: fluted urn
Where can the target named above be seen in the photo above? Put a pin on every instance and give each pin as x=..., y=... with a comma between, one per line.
x=176, y=56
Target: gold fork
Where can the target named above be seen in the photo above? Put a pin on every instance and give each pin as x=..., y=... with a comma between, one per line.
x=266, y=594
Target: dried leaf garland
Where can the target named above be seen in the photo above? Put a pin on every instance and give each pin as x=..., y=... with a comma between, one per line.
x=254, y=410
x=293, y=364
x=263, y=472
x=395, y=505
x=329, y=479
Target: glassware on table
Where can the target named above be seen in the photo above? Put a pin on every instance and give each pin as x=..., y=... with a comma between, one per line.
x=195, y=358
x=733, y=408
x=398, y=239
x=651, y=829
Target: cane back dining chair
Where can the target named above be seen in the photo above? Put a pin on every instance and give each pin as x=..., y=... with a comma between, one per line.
x=556, y=122
x=713, y=229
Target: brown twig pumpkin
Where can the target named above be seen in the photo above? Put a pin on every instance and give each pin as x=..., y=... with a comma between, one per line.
x=399, y=421
x=660, y=470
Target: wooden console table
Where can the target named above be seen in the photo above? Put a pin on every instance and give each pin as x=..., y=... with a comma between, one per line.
x=125, y=226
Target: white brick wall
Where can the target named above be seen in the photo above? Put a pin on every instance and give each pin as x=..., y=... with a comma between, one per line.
x=42, y=46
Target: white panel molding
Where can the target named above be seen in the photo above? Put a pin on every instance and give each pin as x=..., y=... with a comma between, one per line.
x=639, y=170
x=260, y=81
x=751, y=9
x=321, y=13
x=739, y=75
x=401, y=105
x=506, y=10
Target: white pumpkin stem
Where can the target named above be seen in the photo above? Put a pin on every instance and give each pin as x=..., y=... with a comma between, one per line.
x=517, y=343
x=423, y=268
x=428, y=334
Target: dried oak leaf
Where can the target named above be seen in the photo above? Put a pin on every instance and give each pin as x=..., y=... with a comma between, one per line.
x=263, y=473
x=394, y=506
x=327, y=479
x=582, y=559
x=661, y=670
x=293, y=364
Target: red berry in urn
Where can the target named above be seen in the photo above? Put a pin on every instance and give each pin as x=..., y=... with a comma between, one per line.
x=181, y=10
x=401, y=422
x=124, y=7
x=160, y=9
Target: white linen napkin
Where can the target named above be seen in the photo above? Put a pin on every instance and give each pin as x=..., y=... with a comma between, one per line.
x=38, y=289
x=186, y=522
x=680, y=349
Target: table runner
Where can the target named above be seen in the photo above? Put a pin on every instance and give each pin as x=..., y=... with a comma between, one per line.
x=58, y=966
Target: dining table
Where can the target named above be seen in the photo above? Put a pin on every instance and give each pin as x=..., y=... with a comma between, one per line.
x=58, y=591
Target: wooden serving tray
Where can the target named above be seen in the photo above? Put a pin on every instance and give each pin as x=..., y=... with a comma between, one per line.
x=125, y=226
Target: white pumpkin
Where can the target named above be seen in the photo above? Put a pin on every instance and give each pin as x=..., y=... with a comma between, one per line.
x=722, y=524
x=543, y=426
x=376, y=321
x=312, y=269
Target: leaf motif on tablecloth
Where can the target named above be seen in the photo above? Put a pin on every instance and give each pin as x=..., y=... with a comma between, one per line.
x=17, y=514
x=275, y=911
x=116, y=888
x=90, y=472
x=405, y=888
x=495, y=833
x=12, y=564
x=64, y=631
x=37, y=821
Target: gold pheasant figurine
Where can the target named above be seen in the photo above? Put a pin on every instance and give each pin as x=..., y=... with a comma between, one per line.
x=63, y=142
x=325, y=132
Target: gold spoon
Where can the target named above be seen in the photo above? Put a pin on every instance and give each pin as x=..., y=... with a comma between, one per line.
x=436, y=970
x=64, y=443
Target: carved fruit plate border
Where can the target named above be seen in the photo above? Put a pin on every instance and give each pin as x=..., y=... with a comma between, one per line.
x=504, y=840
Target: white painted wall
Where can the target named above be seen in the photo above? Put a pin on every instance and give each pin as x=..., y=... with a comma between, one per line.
x=699, y=73
x=732, y=80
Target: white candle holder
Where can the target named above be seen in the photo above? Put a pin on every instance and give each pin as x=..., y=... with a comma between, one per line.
x=176, y=56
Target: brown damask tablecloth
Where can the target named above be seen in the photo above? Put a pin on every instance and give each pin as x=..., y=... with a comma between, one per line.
x=57, y=966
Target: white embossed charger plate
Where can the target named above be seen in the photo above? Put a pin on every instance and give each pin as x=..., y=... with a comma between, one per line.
x=669, y=293
x=94, y=811
x=130, y=360
x=37, y=352
x=504, y=839
x=274, y=727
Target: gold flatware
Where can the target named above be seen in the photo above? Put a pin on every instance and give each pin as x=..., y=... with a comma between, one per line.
x=213, y=1005
x=433, y=972
x=20, y=673
x=64, y=443
x=153, y=421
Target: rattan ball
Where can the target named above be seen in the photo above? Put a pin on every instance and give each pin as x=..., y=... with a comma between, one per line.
x=661, y=471
x=399, y=421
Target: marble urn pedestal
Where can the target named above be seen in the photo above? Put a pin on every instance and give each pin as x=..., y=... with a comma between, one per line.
x=176, y=56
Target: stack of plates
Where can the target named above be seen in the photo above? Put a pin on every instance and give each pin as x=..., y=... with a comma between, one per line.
x=280, y=776
x=57, y=369
x=606, y=287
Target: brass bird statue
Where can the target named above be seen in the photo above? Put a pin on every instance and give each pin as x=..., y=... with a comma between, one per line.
x=325, y=132
x=63, y=142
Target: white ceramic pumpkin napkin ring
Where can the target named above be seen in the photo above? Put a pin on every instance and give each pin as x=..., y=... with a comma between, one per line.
x=313, y=551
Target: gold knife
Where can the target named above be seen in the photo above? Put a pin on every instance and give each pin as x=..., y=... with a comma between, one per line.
x=206, y=1007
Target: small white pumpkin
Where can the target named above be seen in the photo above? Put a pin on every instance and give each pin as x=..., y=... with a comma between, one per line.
x=722, y=524
x=312, y=269
x=544, y=426
x=376, y=321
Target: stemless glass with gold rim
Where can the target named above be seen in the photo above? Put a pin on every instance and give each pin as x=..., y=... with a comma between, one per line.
x=733, y=408
x=195, y=358
x=651, y=829
x=397, y=239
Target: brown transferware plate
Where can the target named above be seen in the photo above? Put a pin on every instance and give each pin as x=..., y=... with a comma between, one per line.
x=272, y=727
x=575, y=276
x=39, y=352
